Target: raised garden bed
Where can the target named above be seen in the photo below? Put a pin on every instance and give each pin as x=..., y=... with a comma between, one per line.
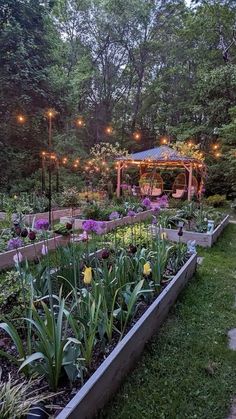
x=56, y=215
x=30, y=251
x=107, y=378
x=202, y=239
x=111, y=225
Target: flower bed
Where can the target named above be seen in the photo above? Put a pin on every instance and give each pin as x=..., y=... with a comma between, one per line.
x=111, y=225
x=201, y=239
x=56, y=215
x=77, y=307
x=105, y=381
x=31, y=251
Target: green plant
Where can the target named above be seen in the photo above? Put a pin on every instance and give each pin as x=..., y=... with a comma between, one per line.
x=51, y=350
x=216, y=200
x=17, y=397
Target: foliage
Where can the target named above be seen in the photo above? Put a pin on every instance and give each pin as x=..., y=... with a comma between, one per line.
x=189, y=150
x=70, y=197
x=216, y=200
x=16, y=398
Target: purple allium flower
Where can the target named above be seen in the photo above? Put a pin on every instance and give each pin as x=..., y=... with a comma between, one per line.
x=99, y=227
x=88, y=225
x=41, y=224
x=131, y=213
x=114, y=216
x=146, y=203
x=14, y=243
x=163, y=201
x=124, y=186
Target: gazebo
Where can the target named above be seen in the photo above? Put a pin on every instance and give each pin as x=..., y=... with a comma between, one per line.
x=161, y=157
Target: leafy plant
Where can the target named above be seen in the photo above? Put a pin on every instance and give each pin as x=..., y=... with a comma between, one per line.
x=17, y=397
x=216, y=200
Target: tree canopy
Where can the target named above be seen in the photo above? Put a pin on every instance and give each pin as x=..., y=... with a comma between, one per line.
x=116, y=71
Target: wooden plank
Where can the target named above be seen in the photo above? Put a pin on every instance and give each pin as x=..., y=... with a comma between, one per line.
x=30, y=251
x=202, y=239
x=111, y=225
x=56, y=215
x=107, y=378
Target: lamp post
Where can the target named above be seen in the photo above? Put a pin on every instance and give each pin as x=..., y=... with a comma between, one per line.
x=50, y=114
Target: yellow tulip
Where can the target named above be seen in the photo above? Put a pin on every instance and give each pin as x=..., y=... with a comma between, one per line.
x=147, y=269
x=87, y=275
x=163, y=236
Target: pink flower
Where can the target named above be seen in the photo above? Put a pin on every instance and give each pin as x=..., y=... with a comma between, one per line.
x=44, y=250
x=18, y=257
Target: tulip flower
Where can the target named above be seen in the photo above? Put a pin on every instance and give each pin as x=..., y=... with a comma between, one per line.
x=163, y=236
x=87, y=275
x=18, y=257
x=44, y=250
x=147, y=269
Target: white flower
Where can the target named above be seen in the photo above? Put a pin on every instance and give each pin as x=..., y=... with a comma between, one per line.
x=18, y=257
x=44, y=250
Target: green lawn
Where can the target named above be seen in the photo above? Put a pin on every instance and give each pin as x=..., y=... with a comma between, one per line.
x=187, y=370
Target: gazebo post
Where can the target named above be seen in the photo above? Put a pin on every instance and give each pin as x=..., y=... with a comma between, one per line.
x=190, y=178
x=118, y=179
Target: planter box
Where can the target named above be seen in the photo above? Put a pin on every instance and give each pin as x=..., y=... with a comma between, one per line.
x=56, y=215
x=111, y=225
x=30, y=251
x=202, y=239
x=106, y=380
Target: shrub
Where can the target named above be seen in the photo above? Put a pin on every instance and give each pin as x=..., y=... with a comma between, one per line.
x=216, y=200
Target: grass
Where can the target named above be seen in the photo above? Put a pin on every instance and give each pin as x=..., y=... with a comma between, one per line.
x=187, y=371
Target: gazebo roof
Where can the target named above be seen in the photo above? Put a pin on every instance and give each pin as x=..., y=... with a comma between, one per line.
x=160, y=154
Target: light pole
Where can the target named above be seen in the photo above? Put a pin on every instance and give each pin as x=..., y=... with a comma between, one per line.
x=50, y=114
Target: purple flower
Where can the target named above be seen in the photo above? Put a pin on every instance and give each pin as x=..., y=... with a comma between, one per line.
x=124, y=186
x=146, y=203
x=17, y=258
x=131, y=213
x=14, y=243
x=99, y=227
x=41, y=224
x=154, y=220
x=163, y=201
x=114, y=216
x=89, y=225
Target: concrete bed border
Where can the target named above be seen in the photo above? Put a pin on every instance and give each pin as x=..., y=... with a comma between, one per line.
x=105, y=381
x=202, y=239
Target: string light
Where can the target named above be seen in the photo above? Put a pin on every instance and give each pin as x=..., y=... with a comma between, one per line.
x=108, y=130
x=21, y=119
x=79, y=122
x=215, y=146
x=137, y=136
x=50, y=113
x=164, y=140
x=218, y=154
x=190, y=144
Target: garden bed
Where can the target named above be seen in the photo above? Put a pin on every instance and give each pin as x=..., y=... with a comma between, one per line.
x=202, y=239
x=30, y=251
x=111, y=225
x=56, y=215
x=107, y=378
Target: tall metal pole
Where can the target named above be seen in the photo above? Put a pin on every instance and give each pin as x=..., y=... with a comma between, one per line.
x=50, y=171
